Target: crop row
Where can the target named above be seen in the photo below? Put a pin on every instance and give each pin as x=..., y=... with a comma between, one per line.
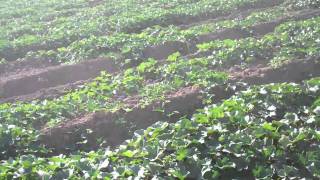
x=269, y=131
x=125, y=16
x=289, y=41
x=150, y=80
x=20, y=9
x=65, y=31
x=167, y=41
x=105, y=92
x=132, y=46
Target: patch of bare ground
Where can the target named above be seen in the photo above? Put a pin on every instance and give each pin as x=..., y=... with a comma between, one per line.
x=106, y=124
x=47, y=93
x=184, y=102
x=32, y=81
x=293, y=71
x=15, y=67
x=93, y=3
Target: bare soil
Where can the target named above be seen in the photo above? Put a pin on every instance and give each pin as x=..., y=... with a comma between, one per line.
x=106, y=124
x=46, y=93
x=15, y=67
x=32, y=81
x=295, y=71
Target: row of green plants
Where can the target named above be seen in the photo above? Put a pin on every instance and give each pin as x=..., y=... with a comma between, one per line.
x=266, y=132
x=289, y=41
x=19, y=133
x=297, y=4
x=107, y=92
x=150, y=80
x=22, y=23
x=123, y=16
x=124, y=45
x=132, y=46
x=29, y=39
x=15, y=10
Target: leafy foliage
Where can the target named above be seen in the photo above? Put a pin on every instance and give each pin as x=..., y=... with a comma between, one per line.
x=291, y=40
x=77, y=36
x=107, y=92
x=268, y=131
x=265, y=132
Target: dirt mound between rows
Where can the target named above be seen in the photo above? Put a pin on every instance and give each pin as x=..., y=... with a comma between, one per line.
x=54, y=76
x=294, y=71
x=106, y=124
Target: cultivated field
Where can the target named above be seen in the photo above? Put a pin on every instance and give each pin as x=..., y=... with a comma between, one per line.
x=159, y=89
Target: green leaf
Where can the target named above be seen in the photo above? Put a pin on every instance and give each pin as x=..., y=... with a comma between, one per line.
x=104, y=164
x=216, y=113
x=174, y=57
x=229, y=42
x=128, y=153
x=269, y=127
x=182, y=154
x=179, y=174
x=302, y=136
x=317, y=110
